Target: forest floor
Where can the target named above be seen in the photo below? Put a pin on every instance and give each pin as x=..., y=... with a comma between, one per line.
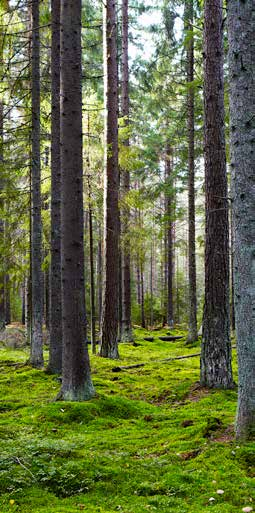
x=151, y=440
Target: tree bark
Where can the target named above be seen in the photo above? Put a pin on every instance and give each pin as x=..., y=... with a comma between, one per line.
x=76, y=381
x=110, y=316
x=126, y=326
x=7, y=299
x=36, y=356
x=55, y=354
x=241, y=17
x=215, y=360
x=92, y=277
x=99, y=274
x=169, y=236
x=142, y=297
x=192, y=333
x=2, y=302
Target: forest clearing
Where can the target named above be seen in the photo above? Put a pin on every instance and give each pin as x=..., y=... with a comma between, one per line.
x=127, y=256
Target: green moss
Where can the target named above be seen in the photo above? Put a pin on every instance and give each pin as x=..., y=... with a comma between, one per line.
x=150, y=440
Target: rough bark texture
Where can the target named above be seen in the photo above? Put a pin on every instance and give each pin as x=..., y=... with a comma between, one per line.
x=55, y=356
x=92, y=278
x=169, y=237
x=192, y=334
x=36, y=356
x=2, y=302
x=241, y=22
x=109, y=329
x=76, y=383
x=126, y=327
x=143, y=323
x=216, y=348
x=99, y=274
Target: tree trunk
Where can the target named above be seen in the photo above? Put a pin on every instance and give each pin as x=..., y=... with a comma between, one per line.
x=142, y=298
x=169, y=236
x=2, y=302
x=7, y=299
x=92, y=278
x=99, y=275
x=241, y=16
x=215, y=361
x=76, y=383
x=138, y=280
x=110, y=318
x=23, y=298
x=55, y=356
x=233, y=326
x=126, y=327
x=36, y=250
x=192, y=334
x=151, y=287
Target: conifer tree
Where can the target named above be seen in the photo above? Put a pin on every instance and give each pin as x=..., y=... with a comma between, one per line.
x=241, y=17
x=76, y=381
x=216, y=369
x=110, y=317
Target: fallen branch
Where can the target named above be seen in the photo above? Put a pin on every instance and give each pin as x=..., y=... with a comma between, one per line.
x=136, y=365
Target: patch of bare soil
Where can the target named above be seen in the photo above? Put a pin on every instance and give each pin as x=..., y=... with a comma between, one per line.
x=197, y=392
x=227, y=436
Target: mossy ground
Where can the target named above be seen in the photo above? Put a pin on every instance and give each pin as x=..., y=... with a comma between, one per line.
x=150, y=441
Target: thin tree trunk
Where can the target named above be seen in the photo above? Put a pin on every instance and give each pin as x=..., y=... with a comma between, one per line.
x=55, y=356
x=138, y=280
x=76, y=381
x=215, y=360
x=23, y=298
x=151, y=288
x=92, y=278
x=7, y=298
x=110, y=313
x=169, y=230
x=142, y=298
x=99, y=274
x=47, y=298
x=2, y=302
x=36, y=252
x=126, y=327
x=232, y=236
x=192, y=305
x=241, y=16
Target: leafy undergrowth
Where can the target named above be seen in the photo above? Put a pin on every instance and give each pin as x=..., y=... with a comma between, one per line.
x=151, y=440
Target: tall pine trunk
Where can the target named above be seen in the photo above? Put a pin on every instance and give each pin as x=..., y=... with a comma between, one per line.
x=92, y=276
x=215, y=361
x=169, y=235
x=241, y=18
x=192, y=334
x=99, y=275
x=126, y=327
x=110, y=317
x=76, y=383
x=2, y=301
x=36, y=229
x=55, y=356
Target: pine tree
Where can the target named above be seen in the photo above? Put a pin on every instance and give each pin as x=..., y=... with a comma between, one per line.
x=76, y=383
x=241, y=17
x=110, y=317
x=126, y=327
x=216, y=369
x=36, y=229
x=192, y=334
x=55, y=356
